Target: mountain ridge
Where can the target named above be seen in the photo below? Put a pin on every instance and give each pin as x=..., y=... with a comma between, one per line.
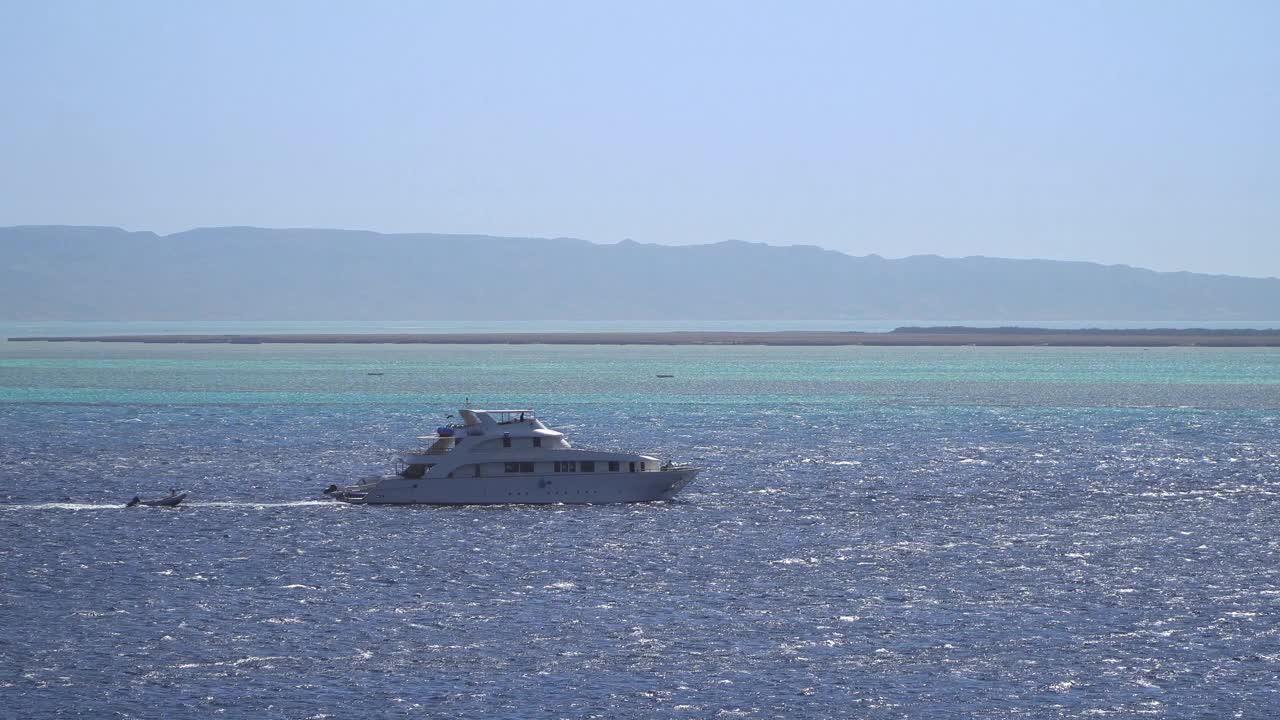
x=243, y=272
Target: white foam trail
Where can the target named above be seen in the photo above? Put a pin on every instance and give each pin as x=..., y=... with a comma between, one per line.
x=63, y=506
x=249, y=503
x=211, y=504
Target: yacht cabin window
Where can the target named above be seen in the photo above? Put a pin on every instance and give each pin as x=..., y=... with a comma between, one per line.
x=506, y=440
x=613, y=466
x=588, y=466
x=537, y=442
x=518, y=467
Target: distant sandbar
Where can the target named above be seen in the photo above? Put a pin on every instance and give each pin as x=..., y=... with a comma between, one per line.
x=910, y=336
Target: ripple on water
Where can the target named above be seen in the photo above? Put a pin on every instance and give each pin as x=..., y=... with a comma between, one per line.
x=929, y=560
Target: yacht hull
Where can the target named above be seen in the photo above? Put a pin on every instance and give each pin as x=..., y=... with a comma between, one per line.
x=575, y=488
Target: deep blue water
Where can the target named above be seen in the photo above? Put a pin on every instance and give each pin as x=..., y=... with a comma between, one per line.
x=880, y=533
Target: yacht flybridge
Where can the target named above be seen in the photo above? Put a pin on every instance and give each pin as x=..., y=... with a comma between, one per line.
x=510, y=456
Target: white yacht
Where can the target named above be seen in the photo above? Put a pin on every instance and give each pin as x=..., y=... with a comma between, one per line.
x=509, y=456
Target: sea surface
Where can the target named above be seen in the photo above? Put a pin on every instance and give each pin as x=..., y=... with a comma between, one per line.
x=878, y=533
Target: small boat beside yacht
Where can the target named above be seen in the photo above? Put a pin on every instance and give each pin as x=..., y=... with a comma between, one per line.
x=510, y=456
x=171, y=500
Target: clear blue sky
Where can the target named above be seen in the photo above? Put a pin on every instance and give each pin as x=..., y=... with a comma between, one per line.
x=1145, y=133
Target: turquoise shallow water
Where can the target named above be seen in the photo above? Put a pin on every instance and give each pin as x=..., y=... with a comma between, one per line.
x=880, y=532
x=131, y=373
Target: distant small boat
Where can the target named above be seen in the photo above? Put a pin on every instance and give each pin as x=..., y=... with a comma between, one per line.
x=167, y=501
x=666, y=376
x=375, y=373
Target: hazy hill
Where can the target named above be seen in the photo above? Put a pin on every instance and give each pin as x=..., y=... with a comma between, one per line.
x=95, y=273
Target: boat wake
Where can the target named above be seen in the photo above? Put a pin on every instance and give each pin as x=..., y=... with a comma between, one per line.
x=236, y=504
x=246, y=503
